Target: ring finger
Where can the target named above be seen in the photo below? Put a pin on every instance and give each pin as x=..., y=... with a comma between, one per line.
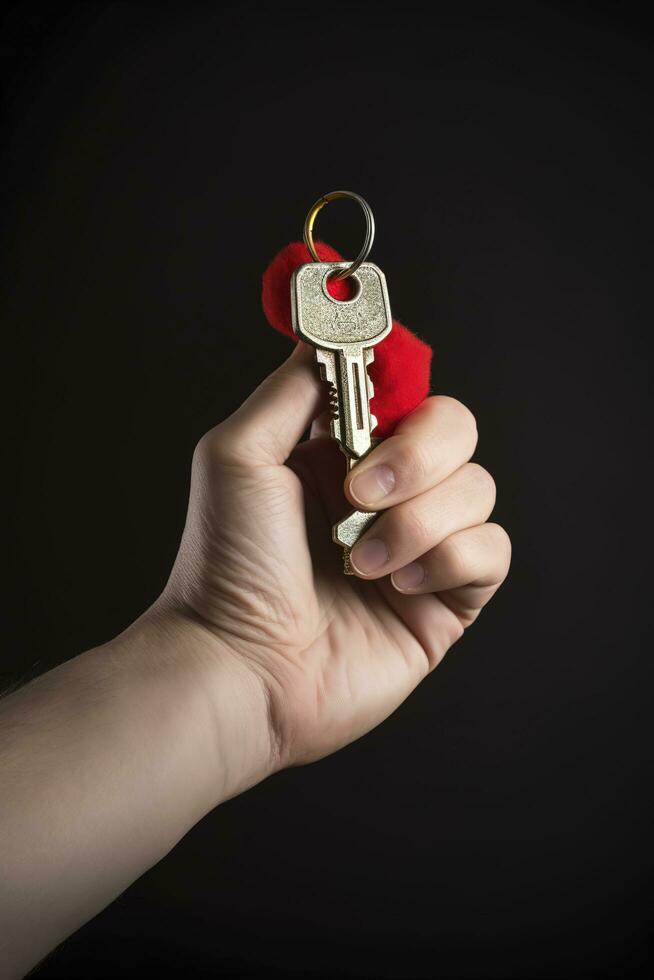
x=473, y=563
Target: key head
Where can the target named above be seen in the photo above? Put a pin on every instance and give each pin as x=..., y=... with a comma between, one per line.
x=323, y=321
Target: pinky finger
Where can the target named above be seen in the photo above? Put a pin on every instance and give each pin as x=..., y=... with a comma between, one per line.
x=465, y=569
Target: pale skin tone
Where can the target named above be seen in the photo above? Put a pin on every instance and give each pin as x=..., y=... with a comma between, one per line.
x=259, y=654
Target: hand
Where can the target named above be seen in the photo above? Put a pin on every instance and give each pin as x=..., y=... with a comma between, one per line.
x=258, y=575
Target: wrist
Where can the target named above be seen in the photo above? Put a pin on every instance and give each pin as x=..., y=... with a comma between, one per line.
x=107, y=761
x=217, y=704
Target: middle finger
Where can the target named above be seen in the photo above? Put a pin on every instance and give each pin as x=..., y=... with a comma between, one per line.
x=403, y=533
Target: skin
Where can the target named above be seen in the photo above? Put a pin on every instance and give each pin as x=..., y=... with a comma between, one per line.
x=259, y=654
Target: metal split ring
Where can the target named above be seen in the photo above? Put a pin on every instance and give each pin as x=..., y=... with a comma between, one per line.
x=370, y=230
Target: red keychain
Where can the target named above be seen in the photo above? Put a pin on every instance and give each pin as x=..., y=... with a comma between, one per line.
x=377, y=370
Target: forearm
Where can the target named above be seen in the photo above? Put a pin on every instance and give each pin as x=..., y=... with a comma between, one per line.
x=105, y=763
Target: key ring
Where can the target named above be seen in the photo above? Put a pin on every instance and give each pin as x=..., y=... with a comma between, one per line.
x=370, y=230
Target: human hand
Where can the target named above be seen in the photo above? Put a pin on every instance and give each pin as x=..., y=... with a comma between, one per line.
x=259, y=654
x=258, y=576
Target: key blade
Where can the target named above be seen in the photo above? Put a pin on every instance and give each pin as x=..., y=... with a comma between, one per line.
x=353, y=398
x=347, y=531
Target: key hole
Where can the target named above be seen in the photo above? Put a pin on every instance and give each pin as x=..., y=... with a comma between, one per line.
x=357, y=395
x=343, y=290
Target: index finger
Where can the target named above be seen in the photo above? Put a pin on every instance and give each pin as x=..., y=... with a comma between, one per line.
x=427, y=446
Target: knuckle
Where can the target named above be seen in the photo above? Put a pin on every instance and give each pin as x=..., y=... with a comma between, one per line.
x=481, y=480
x=219, y=446
x=462, y=414
x=416, y=461
x=204, y=446
x=454, y=560
x=501, y=544
x=414, y=525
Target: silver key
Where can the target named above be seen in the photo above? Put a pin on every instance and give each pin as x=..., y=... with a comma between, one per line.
x=344, y=334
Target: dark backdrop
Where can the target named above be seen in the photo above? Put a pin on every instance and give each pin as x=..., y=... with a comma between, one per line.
x=156, y=157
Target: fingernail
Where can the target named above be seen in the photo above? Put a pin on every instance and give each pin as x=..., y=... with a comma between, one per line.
x=409, y=577
x=373, y=485
x=368, y=556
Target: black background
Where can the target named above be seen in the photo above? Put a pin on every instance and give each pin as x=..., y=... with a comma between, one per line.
x=156, y=157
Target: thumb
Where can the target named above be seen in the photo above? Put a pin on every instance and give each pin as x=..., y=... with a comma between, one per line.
x=270, y=423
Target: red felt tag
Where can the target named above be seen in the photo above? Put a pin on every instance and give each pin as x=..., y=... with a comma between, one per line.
x=400, y=371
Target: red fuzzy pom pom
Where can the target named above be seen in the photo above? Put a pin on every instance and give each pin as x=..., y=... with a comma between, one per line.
x=400, y=371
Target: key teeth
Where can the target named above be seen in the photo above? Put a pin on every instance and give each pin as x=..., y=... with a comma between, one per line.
x=333, y=402
x=325, y=361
